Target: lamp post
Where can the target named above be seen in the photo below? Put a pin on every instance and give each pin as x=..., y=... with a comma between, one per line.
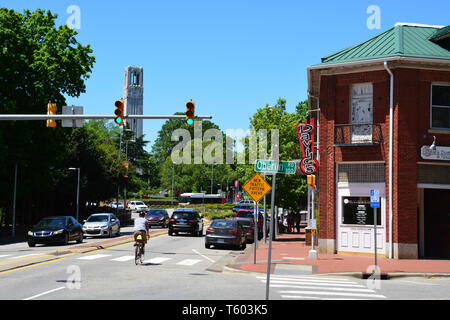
x=78, y=190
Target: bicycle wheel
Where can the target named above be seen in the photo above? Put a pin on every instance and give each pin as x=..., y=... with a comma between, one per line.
x=141, y=255
x=137, y=254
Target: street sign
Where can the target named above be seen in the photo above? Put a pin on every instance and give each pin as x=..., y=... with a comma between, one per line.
x=257, y=187
x=270, y=166
x=374, y=198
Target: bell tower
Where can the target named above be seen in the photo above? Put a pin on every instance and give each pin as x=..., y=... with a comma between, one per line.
x=133, y=93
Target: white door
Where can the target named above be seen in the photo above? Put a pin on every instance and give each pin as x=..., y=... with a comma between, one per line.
x=355, y=229
x=361, y=112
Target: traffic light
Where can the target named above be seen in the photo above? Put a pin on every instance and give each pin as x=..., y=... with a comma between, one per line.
x=119, y=112
x=311, y=180
x=51, y=109
x=190, y=113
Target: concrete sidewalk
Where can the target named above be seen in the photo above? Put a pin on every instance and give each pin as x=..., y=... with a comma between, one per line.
x=290, y=256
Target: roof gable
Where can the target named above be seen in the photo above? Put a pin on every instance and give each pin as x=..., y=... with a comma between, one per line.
x=400, y=40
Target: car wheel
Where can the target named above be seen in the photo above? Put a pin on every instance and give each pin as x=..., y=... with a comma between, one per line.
x=80, y=240
x=110, y=233
x=170, y=232
x=118, y=232
x=207, y=245
x=66, y=238
x=31, y=244
x=244, y=245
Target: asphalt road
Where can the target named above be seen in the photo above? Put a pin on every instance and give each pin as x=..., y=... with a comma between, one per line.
x=181, y=268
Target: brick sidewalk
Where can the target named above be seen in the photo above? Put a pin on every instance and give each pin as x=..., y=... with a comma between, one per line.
x=290, y=249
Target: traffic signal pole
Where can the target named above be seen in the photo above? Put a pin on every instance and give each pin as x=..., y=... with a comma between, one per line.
x=6, y=117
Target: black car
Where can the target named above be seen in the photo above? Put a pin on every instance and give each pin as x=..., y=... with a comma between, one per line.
x=186, y=220
x=226, y=233
x=157, y=217
x=61, y=229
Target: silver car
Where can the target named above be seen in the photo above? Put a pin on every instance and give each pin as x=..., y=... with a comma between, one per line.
x=101, y=224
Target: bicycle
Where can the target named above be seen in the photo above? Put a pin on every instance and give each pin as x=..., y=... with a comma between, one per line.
x=138, y=250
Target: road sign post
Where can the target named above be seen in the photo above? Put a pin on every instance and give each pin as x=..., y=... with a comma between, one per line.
x=375, y=203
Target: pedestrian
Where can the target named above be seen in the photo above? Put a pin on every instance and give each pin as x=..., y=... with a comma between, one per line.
x=297, y=222
x=290, y=222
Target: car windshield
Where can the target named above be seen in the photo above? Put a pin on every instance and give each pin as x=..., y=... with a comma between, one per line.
x=245, y=214
x=223, y=224
x=139, y=203
x=52, y=222
x=99, y=218
x=158, y=213
x=183, y=215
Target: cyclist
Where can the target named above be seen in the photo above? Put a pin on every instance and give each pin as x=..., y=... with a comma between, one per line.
x=141, y=228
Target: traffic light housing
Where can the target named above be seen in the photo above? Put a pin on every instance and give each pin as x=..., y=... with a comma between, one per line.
x=119, y=112
x=311, y=180
x=190, y=113
x=51, y=109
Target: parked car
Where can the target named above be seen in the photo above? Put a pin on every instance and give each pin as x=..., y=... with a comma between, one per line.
x=226, y=232
x=244, y=206
x=114, y=205
x=186, y=220
x=101, y=224
x=60, y=229
x=137, y=206
x=249, y=227
x=249, y=214
x=157, y=217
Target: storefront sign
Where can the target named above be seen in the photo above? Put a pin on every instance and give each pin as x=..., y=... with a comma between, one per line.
x=305, y=132
x=440, y=153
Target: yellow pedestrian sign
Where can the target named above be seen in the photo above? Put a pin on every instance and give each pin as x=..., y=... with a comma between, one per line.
x=257, y=187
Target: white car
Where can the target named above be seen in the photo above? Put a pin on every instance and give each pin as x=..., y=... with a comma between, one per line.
x=137, y=206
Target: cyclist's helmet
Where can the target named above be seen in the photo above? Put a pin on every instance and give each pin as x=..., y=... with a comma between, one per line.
x=142, y=214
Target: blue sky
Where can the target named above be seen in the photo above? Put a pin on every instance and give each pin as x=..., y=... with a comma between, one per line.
x=231, y=57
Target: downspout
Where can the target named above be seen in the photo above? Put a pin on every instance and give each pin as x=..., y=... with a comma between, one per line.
x=391, y=125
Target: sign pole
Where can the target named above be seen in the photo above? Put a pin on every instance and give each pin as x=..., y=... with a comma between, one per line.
x=255, y=241
x=375, y=233
x=272, y=204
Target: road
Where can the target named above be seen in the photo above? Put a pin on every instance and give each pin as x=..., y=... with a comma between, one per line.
x=181, y=268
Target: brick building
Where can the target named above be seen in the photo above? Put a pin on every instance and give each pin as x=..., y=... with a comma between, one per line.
x=383, y=109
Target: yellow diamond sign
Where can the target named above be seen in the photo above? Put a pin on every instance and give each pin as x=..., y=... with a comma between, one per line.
x=257, y=187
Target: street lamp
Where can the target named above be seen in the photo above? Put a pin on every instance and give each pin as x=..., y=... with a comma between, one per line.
x=78, y=190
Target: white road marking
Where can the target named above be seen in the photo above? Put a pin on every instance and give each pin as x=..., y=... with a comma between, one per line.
x=291, y=258
x=124, y=258
x=327, y=293
x=189, y=262
x=203, y=256
x=157, y=260
x=26, y=255
x=4, y=255
x=94, y=256
x=44, y=293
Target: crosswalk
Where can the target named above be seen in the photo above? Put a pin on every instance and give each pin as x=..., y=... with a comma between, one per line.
x=319, y=288
x=154, y=260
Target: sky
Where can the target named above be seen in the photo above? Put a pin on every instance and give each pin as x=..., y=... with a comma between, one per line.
x=230, y=57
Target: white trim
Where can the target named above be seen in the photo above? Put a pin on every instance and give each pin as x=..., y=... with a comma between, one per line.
x=409, y=24
x=432, y=186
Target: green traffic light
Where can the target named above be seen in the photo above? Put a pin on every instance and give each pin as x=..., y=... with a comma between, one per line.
x=118, y=120
x=189, y=122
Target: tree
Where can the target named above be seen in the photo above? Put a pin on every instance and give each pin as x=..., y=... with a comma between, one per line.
x=39, y=62
x=290, y=189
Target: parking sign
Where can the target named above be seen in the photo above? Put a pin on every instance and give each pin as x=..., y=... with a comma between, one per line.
x=374, y=198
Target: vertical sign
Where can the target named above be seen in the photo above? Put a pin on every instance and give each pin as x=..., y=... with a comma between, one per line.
x=305, y=132
x=375, y=203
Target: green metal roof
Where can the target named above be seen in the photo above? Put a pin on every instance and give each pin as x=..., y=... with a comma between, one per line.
x=400, y=40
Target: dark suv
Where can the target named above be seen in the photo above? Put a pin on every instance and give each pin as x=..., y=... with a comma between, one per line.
x=186, y=220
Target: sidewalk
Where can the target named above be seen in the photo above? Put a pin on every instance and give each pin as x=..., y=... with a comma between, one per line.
x=290, y=257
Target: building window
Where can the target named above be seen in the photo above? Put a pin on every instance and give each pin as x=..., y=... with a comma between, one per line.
x=440, y=106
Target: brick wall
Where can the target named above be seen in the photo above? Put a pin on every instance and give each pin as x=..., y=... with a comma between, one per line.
x=412, y=88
